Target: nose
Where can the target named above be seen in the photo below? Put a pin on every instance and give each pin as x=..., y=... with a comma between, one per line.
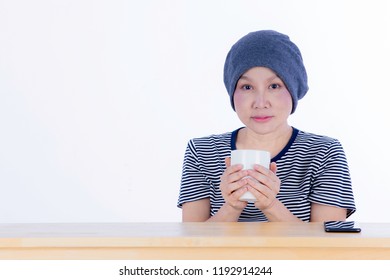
x=261, y=100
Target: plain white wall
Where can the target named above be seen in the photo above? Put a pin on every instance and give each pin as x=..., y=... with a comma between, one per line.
x=99, y=98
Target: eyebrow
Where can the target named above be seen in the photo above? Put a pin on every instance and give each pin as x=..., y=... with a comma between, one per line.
x=271, y=78
x=243, y=77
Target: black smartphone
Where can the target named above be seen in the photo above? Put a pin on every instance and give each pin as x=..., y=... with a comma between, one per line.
x=341, y=226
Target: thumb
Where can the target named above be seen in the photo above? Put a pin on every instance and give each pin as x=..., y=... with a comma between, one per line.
x=273, y=167
x=227, y=161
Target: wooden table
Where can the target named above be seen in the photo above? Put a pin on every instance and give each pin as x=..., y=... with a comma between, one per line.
x=191, y=241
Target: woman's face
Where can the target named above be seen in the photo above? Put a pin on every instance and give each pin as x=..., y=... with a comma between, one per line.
x=262, y=101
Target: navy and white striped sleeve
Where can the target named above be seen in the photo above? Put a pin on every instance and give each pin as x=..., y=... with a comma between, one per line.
x=194, y=185
x=332, y=183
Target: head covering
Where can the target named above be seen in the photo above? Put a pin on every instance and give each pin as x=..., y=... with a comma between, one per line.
x=271, y=49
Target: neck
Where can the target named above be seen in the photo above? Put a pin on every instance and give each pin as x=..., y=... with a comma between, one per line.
x=273, y=142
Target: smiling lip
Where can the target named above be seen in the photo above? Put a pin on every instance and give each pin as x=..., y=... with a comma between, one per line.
x=261, y=118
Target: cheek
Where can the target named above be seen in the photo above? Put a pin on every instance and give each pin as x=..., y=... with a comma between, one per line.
x=285, y=101
x=239, y=100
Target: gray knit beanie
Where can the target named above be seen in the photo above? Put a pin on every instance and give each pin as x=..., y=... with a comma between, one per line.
x=269, y=49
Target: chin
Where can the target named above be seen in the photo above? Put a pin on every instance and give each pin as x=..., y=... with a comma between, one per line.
x=261, y=130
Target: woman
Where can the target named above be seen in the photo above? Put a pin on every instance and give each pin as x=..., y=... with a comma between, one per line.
x=308, y=178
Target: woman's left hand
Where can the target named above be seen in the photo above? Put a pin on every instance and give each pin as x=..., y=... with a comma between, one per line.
x=264, y=185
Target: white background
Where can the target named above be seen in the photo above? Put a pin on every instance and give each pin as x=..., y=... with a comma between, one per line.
x=99, y=98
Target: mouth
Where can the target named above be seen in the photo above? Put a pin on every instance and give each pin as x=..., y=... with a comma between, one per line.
x=261, y=118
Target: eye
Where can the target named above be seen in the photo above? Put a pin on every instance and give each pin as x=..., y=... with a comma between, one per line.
x=246, y=87
x=274, y=86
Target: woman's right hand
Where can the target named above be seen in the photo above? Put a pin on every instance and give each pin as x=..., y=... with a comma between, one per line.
x=233, y=185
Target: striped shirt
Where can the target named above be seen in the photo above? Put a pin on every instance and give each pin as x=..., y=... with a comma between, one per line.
x=311, y=168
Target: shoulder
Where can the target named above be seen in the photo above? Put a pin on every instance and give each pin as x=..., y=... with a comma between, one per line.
x=209, y=152
x=315, y=140
x=210, y=149
x=318, y=146
x=210, y=141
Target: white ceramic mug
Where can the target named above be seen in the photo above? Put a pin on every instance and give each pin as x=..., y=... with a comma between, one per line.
x=248, y=158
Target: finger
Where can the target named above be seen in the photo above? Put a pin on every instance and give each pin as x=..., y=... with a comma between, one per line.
x=233, y=187
x=271, y=173
x=260, y=191
x=233, y=168
x=235, y=173
x=267, y=178
x=239, y=176
x=269, y=190
x=258, y=186
x=238, y=193
x=264, y=184
x=262, y=169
